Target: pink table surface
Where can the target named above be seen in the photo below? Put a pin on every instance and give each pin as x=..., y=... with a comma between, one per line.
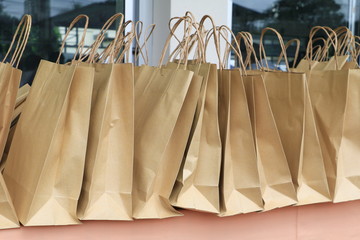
x=313, y=222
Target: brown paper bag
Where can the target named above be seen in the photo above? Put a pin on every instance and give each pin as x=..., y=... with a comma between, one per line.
x=162, y=97
x=290, y=105
x=197, y=185
x=107, y=184
x=45, y=165
x=165, y=95
x=9, y=83
x=240, y=189
x=240, y=183
x=335, y=100
x=173, y=155
x=275, y=178
x=106, y=191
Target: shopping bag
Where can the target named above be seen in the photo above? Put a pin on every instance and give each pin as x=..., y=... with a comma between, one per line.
x=197, y=185
x=107, y=184
x=240, y=190
x=9, y=84
x=175, y=148
x=10, y=79
x=45, y=164
x=240, y=183
x=290, y=104
x=276, y=184
x=160, y=93
x=335, y=100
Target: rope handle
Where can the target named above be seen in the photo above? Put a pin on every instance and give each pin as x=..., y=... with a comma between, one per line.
x=184, y=19
x=262, y=49
x=236, y=49
x=81, y=43
x=23, y=37
x=287, y=45
x=333, y=40
x=101, y=36
x=139, y=47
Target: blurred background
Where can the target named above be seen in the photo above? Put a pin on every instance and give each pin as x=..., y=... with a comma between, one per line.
x=292, y=18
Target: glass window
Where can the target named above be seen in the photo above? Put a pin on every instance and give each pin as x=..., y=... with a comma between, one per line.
x=292, y=19
x=50, y=20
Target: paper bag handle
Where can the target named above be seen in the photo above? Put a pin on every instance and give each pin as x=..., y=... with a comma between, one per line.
x=262, y=49
x=297, y=42
x=139, y=47
x=82, y=40
x=101, y=36
x=184, y=19
x=333, y=41
x=25, y=26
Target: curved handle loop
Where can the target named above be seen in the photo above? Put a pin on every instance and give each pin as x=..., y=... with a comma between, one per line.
x=250, y=51
x=23, y=37
x=287, y=45
x=138, y=32
x=196, y=38
x=125, y=44
x=262, y=49
x=332, y=37
x=139, y=47
x=82, y=40
x=346, y=40
x=214, y=34
x=318, y=53
x=184, y=19
x=101, y=36
x=236, y=49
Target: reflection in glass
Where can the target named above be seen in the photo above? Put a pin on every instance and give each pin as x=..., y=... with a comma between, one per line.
x=50, y=21
x=292, y=19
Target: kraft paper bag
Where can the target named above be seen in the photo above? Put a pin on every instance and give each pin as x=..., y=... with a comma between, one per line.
x=165, y=102
x=107, y=183
x=290, y=103
x=45, y=164
x=240, y=184
x=335, y=99
x=9, y=83
x=10, y=78
x=175, y=148
x=158, y=104
x=174, y=151
x=106, y=191
x=275, y=178
x=197, y=185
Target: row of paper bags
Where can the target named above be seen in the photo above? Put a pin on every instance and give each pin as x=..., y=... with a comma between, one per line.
x=99, y=139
